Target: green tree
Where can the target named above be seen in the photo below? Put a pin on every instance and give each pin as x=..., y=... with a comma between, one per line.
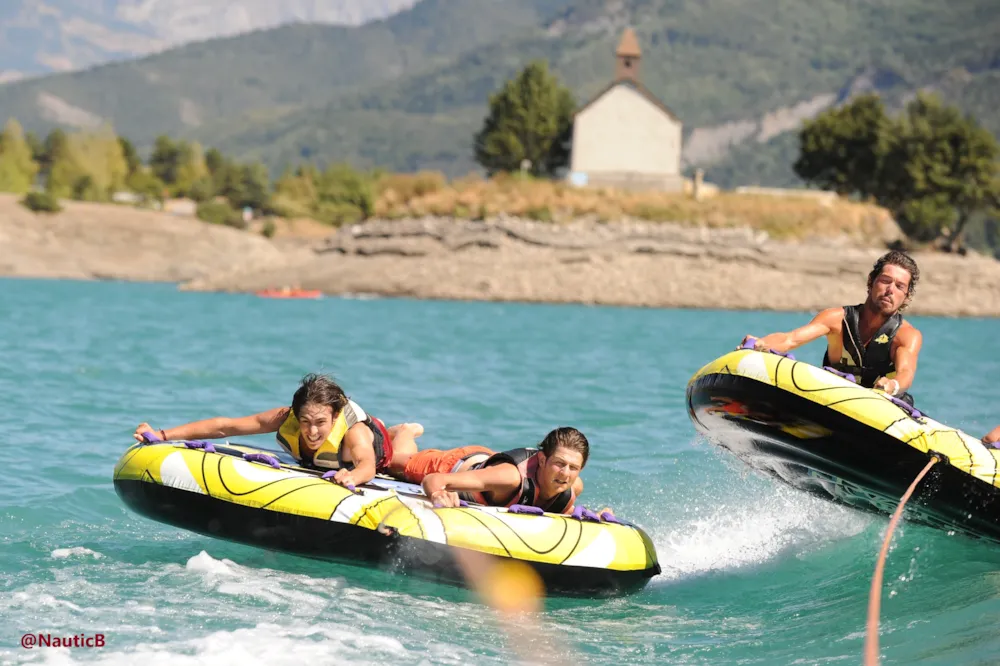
x=53, y=148
x=215, y=161
x=132, y=158
x=843, y=149
x=931, y=167
x=344, y=195
x=145, y=184
x=220, y=171
x=220, y=212
x=37, y=147
x=530, y=118
x=165, y=160
x=89, y=166
x=17, y=167
x=246, y=185
x=295, y=193
x=941, y=169
x=202, y=189
x=190, y=171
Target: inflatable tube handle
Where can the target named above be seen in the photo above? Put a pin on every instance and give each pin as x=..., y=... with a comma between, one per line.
x=749, y=344
x=846, y=375
x=905, y=406
x=327, y=476
x=150, y=436
x=198, y=444
x=262, y=458
x=583, y=513
x=524, y=508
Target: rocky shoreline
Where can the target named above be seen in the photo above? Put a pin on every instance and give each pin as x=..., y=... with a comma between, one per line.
x=628, y=263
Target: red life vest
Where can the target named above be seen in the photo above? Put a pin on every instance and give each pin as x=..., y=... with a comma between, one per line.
x=382, y=444
x=526, y=462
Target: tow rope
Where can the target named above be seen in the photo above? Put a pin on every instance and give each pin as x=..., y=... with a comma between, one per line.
x=874, y=597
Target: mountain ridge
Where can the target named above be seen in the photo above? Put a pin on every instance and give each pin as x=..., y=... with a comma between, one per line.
x=741, y=74
x=42, y=36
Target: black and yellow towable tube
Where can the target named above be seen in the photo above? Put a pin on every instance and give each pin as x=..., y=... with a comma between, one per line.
x=263, y=499
x=819, y=432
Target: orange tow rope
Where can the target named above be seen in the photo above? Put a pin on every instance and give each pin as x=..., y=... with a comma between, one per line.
x=874, y=598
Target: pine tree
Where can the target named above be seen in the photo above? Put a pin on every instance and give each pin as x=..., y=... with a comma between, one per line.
x=530, y=118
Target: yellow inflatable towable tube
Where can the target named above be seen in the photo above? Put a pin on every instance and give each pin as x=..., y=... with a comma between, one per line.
x=817, y=431
x=263, y=498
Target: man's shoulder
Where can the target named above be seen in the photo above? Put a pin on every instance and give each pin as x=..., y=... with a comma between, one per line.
x=908, y=332
x=360, y=433
x=832, y=317
x=908, y=328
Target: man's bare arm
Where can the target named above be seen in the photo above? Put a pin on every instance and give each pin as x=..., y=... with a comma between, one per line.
x=820, y=325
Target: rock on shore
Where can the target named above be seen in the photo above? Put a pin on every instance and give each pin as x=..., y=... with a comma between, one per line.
x=634, y=263
x=627, y=263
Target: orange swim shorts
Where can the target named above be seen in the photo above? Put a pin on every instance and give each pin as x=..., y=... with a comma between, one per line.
x=436, y=461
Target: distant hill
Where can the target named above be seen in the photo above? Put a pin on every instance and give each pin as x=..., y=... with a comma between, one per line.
x=283, y=68
x=409, y=92
x=38, y=36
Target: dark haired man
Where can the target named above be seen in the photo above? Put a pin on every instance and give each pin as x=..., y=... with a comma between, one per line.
x=547, y=477
x=870, y=341
x=321, y=428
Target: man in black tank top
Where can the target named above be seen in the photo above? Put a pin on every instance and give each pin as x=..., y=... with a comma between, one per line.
x=870, y=341
x=547, y=477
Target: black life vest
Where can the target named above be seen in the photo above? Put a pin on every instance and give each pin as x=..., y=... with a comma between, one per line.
x=526, y=462
x=871, y=361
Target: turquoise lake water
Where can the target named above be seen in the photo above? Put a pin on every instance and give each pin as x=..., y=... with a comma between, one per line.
x=753, y=572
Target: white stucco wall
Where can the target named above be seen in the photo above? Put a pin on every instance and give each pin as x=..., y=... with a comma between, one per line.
x=625, y=133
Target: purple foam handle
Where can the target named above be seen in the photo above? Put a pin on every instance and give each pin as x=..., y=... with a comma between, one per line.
x=328, y=476
x=905, y=406
x=583, y=513
x=262, y=458
x=463, y=503
x=752, y=341
x=846, y=375
x=524, y=508
x=150, y=436
x=199, y=444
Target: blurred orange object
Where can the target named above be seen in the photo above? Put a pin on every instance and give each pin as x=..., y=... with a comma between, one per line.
x=287, y=292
